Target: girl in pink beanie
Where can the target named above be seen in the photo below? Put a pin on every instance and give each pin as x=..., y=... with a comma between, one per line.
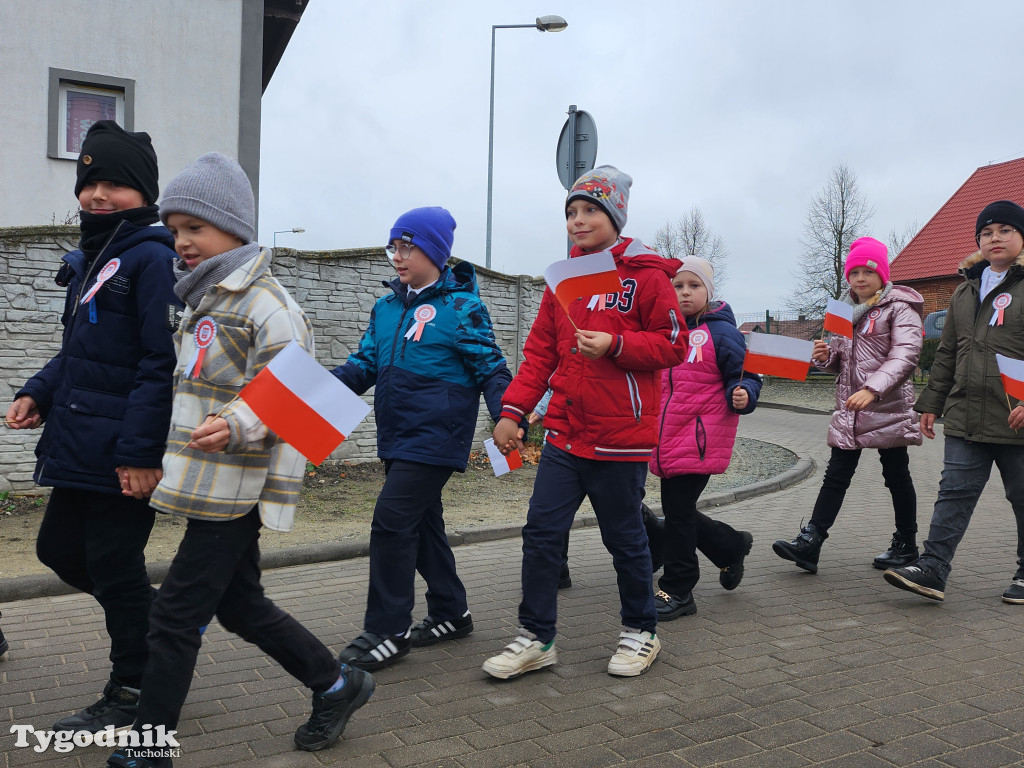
x=874, y=404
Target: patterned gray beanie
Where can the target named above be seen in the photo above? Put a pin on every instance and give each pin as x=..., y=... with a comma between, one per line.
x=213, y=188
x=607, y=186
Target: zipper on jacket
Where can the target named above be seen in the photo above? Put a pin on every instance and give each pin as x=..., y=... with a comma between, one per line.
x=700, y=434
x=664, y=413
x=634, y=396
x=89, y=271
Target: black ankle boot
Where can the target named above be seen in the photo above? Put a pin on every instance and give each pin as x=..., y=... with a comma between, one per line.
x=902, y=551
x=803, y=550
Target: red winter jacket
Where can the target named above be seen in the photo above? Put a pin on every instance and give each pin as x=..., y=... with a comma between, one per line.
x=605, y=409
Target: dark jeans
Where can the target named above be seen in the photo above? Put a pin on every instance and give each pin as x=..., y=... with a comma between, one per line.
x=407, y=535
x=688, y=530
x=839, y=473
x=965, y=471
x=216, y=572
x=615, y=489
x=96, y=543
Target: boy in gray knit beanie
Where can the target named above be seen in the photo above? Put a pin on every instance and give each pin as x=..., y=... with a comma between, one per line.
x=230, y=476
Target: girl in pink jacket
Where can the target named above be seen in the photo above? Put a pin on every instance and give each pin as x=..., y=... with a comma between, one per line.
x=702, y=398
x=874, y=404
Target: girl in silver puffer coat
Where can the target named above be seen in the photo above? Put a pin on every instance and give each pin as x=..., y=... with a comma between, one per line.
x=874, y=404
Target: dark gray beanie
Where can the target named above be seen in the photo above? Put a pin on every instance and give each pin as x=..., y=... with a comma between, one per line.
x=213, y=188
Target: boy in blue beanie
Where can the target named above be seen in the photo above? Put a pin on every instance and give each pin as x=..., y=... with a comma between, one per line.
x=430, y=351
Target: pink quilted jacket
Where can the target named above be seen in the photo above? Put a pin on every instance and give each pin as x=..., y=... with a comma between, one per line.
x=882, y=357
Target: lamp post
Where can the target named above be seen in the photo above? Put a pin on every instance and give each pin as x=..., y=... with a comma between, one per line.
x=297, y=230
x=543, y=24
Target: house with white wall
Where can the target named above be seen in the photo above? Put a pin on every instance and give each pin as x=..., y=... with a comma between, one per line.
x=191, y=73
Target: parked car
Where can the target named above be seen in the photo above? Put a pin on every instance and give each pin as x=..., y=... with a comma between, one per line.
x=933, y=324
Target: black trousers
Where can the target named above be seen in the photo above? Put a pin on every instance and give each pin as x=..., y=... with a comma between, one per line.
x=839, y=473
x=216, y=572
x=96, y=543
x=688, y=530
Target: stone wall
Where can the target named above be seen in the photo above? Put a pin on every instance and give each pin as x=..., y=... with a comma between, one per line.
x=337, y=289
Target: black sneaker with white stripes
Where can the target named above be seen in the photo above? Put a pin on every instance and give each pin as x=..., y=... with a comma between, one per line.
x=430, y=630
x=370, y=651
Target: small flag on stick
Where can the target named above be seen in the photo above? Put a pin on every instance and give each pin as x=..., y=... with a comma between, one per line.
x=1012, y=373
x=775, y=355
x=303, y=404
x=594, y=273
x=501, y=463
x=839, y=318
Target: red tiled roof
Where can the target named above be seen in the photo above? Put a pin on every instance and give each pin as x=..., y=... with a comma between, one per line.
x=949, y=236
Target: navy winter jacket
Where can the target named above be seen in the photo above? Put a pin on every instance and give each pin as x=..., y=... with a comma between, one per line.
x=106, y=397
x=427, y=392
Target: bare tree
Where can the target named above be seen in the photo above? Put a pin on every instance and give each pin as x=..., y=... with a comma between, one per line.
x=898, y=239
x=835, y=219
x=690, y=235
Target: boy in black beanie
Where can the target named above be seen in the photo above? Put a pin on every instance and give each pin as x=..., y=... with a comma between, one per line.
x=106, y=403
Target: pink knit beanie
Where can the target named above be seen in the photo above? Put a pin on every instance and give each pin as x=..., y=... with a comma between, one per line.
x=868, y=252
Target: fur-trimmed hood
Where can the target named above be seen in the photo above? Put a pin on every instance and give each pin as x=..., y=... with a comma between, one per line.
x=975, y=264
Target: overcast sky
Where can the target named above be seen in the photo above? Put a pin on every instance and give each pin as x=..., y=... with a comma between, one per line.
x=740, y=108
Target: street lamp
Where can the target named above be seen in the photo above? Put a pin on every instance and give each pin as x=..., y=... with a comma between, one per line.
x=543, y=24
x=282, y=231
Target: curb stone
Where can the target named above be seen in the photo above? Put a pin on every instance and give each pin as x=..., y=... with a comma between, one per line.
x=48, y=585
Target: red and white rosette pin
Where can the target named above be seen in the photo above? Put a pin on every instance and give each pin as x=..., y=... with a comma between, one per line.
x=423, y=315
x=204, y=334
x=697, y=341
x=108, y=271
x=999, y=304
x=873, y=315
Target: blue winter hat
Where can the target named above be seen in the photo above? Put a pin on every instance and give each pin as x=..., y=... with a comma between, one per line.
x=431, y=229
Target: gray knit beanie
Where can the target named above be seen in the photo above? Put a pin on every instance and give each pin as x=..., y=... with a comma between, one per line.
x=607, y=186
x=213, y=188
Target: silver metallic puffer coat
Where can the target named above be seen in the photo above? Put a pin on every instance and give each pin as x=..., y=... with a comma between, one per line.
x=881, y=357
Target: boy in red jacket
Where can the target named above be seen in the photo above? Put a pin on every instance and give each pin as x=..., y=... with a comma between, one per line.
x=601, y=425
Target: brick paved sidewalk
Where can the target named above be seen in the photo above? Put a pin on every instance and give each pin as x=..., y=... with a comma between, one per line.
x=834, y=669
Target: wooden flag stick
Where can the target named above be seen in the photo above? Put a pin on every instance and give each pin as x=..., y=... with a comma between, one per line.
x=215, y=415
x=1009, y=406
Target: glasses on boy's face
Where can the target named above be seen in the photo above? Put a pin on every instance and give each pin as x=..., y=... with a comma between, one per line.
x=404, y=250
x=988, y=234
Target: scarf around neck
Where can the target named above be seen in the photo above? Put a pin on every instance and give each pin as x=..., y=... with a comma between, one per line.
x=98, y=228
x=192, y=286
x=859, y=310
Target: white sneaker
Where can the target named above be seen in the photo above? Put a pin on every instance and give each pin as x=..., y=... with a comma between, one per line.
x=635, y=654
x=524, y=654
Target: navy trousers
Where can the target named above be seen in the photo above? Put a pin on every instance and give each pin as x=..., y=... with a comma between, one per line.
x=615, y=489
x=407, y=535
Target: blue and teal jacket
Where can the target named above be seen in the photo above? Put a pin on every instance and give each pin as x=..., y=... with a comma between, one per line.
x=428, y=390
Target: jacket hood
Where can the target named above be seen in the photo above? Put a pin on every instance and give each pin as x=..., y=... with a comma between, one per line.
x=905, y=294
x=458, y=278
x=640, y=256
x=719, y=312
x=975, y=264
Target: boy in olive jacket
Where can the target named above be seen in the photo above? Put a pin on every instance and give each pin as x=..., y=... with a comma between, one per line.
x=982, y=425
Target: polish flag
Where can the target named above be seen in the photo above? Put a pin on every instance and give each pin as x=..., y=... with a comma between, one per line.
x=588, y=275
x=501, y=463
x=1012, y=373
x=778, y=356
x=303, y=404
x=839, y=318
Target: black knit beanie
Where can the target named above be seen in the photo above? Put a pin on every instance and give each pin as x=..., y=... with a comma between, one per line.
x=1000, y=212
x=110, y=153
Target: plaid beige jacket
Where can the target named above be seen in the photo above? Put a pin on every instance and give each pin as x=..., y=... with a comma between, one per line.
x=255, y=318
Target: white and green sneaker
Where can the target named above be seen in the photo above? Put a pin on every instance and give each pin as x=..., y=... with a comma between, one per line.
x=635, y=654
x=524, y=654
